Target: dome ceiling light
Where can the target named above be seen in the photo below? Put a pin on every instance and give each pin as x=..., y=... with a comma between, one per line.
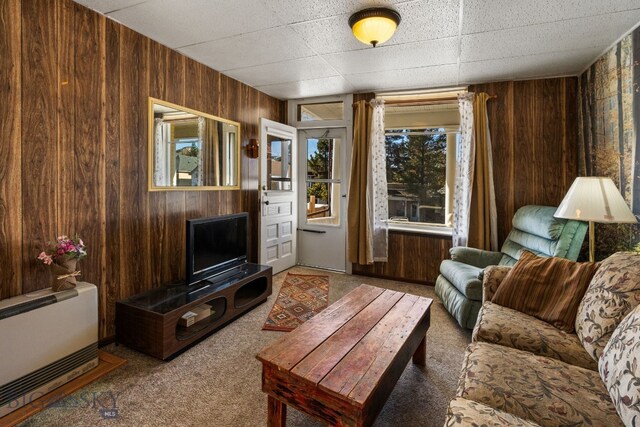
x=374, y=26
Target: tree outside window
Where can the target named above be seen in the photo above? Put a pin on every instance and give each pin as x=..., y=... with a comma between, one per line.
x=416, y=174
x=319, y=167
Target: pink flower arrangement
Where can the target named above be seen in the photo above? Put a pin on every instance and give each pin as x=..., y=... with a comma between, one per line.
x=63, y=246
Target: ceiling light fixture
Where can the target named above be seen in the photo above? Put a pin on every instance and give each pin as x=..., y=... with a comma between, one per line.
x=374, y=26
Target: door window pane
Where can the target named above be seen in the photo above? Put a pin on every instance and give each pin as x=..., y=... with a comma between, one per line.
x=323, y=181
x=323, y=203
x=322, y=158
x=278, y=163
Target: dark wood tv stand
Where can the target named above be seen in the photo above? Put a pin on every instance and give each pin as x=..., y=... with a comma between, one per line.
x=149, y=322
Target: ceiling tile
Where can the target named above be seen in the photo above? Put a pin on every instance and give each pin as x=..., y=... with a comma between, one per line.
x=486, y=71
x=383, y=58
x=292, y=11
x=487, y=15
x=308, y=88
x=283, y=72
x=260, y=47
x=426, y=77
x=180, y=23
x=427, y=20
x=541, y=38
x=106, y=6
x=524, y=67
x=329, y=35
x=554, y=64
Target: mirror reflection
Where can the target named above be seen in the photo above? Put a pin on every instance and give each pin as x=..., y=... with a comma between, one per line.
x=192, y=150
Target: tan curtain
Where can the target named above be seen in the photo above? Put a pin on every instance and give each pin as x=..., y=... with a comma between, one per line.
x=211, y=154
x=359, y=232
x=483, y=233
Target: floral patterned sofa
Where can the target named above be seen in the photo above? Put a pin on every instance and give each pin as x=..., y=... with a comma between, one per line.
x=521, y=371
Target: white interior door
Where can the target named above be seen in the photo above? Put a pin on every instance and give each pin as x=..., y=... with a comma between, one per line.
x=278, y=195
x=322, y=198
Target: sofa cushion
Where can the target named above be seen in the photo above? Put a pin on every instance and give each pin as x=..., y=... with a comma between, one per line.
x=540, y=389
x=620, y=368
x=463, y=412
x=547, y=288
x=464, y=277
x=511, y=328
x=613, y=292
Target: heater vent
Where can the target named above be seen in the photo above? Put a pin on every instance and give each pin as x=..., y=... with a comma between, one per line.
x=18, y=388
x=47, y=339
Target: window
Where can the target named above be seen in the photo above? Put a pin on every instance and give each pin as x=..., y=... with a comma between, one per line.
x=278, y=164
x=320, y=111
x=421, y=163
x=186, y=144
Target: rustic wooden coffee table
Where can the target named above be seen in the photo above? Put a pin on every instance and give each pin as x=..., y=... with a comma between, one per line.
x=341, y=366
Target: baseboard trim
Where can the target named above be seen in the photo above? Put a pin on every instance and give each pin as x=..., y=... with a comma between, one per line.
x=103, y=342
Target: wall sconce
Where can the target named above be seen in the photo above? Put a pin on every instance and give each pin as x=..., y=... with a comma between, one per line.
x=253, y=149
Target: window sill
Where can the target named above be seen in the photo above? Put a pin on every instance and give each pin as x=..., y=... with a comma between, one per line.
x=432, y=230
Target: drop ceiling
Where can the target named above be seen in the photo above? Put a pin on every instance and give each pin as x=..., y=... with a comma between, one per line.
x=303, y=48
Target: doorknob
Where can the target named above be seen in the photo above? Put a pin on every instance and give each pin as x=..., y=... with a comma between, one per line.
x=266, y=202
x=344, y=195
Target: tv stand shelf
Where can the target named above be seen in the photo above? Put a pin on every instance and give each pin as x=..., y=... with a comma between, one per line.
x=149, y=322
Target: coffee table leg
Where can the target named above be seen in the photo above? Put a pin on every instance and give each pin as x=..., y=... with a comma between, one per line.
x=277, y=413
x=420, y=356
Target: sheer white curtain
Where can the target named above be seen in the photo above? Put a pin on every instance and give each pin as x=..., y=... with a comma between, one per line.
x=161, y=153
x=465, y=159
x=377, y=203
x=199, y=178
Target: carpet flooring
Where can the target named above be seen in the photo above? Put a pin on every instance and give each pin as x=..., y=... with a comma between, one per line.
x=217, y=382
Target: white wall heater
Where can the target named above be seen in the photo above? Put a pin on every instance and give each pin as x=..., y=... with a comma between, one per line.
x=46, y=340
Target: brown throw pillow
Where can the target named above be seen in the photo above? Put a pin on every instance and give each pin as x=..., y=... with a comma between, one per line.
x=547, y=288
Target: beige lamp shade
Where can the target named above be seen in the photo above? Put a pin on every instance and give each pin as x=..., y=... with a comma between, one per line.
x=595, y=199
x=374, y=26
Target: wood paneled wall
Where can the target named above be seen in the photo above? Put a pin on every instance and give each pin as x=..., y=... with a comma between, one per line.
x=74, y=88
x=533, y=128
x=412, y=257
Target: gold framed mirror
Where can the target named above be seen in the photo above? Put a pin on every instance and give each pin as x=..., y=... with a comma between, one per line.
x=191, y=150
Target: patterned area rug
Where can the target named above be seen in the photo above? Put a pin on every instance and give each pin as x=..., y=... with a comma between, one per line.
x=301, y=297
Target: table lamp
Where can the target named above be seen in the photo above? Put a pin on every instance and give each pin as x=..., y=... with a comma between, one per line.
x=594, y=199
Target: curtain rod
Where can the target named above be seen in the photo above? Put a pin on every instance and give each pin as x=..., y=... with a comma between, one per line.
x=409, y=102
x=417, y=102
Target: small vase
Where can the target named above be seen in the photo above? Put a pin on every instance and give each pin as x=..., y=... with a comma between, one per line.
x=63, y=274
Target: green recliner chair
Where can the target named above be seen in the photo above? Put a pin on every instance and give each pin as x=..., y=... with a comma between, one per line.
x=459, y=284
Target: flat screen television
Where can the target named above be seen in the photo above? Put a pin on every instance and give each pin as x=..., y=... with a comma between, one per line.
x=215, y=245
